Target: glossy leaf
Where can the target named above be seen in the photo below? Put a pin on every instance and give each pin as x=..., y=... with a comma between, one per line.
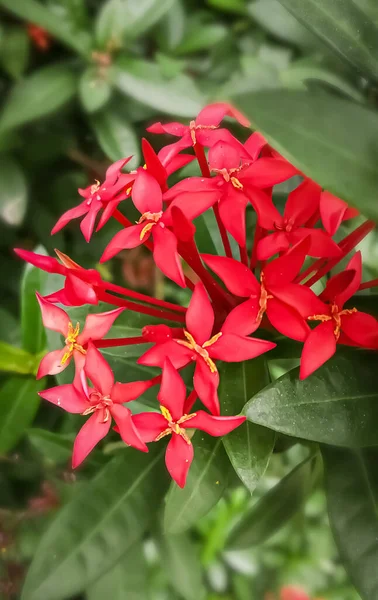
x=353, y=516
x=273, y=509
x=248, y=447
x=16, y=360
x=102, y=521
x=38, y=95
x=116, y=136
x=275, y=19
x=338, y=404
x=19, y=402
x=35, y=12
x=94, y=89
x=14, y=51
x=306, y=127
x=343, y=26
x=180, y=559
x=57, y=448
x=126, y=580
x=13, y=191
x=205, y=485
x=33, y=332
x=143, y=82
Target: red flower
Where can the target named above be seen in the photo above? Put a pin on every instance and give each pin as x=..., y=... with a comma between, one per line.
x=40, y=37
x=265, y=296
x=148, y=199
x=174, y=422
x=103, y=401
x=56, y=319
x=347, y=326
x=80, y=284
x=333, y=211
x=293, y=593
x=301, y=206
x=199, y=345
x=114, y=186
x=204, y=130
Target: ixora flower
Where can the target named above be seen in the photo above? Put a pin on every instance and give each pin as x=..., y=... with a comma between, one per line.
x=334, y=211
x=265, y=295
x=173, y=422
x=198, y=344
x=301, y=208
x=148, y=199
x=75, y=342
x=293, y=593
x=102, y=402
x=336, y=323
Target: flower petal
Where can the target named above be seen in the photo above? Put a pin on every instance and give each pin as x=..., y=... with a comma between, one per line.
x=79, y=292
x=361, y=328
x=267, y=214
x=98, y=370
x=114, y=171
x=146, y=193
x=266, y=172
x=125, y=392
x=46, y=263
x=174, y=128
x=254, y=144
x=236, y=348
x=178, y=458
x=124, y=240
x=232, y=212
x=155, y=357
x=53, y=318
x=318, y=348
x=67, y=397
x=223, y=156
x=92, y=432
x=149, y=425
x=285, y=268
x=238, y=278
x=215, y=426
x=88, y=223
x=206, y=385
x=172, y=392
x=200, y=315
x=242, y=320
x=126, y=428
x=355, y=265
x=213, y=114
x=272, y=244
x=322, y=245
x=287, y=320
x=300, y=298
x=98, y=325
x=293, y=593
x=303, y=202
x=166, y=256
x=72, y=213
x=51, y=363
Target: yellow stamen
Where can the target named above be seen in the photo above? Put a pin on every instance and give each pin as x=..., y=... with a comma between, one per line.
x=154, y=218
x=174, y=426
x=336, y=316
x=95, y=187
x=71, y=343
x=201, y=350
x=236, y=183
x=66, y=260
x=166, y=414
x=264, y=297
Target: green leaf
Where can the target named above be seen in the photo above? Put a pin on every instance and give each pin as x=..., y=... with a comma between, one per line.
x=15, y=360
x=274, y=509
x=56, y=448
x=19, y=402
x=116, y=136
x=14, y=51
x=180, y=559
x=353, y=516
x=201, y=36
x=34, y=12
x=275, y=19
x=344, y=27
x=338, y=404
x=238, y=7
x=248, y=447
x=9, y=327
x=94, y=89
x=126, y=580
x=38, y=95
x=93, y=531
x=307, y=127
x=33, y=332
x=205, y=485
x=143, y=81
x=127, y=19
x=13, y=191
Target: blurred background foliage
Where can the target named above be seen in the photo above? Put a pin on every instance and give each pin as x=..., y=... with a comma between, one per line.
x=80, y=80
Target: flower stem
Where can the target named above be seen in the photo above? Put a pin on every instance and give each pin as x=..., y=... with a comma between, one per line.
x=114, y=343
x=140, y=308
x=368, y=284
x=143, y=298
x=243, y=255
x=189, y=402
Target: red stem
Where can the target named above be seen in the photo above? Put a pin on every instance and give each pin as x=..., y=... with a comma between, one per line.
x=243, y=255
x=143, y=298
x=202, y=161
x=368, y=284
x=114, y=343
x=140, y=308
x=189, y=402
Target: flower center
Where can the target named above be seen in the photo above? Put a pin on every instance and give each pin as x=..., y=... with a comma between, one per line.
x=194, y=127
x=174, y=426
x=191, y=343
x=335, y=315
x=71, y=342
x=99, y=402
x=264, y=297
x=94, y=189
x=153, y=219
x=229, y=177
x=287, y=225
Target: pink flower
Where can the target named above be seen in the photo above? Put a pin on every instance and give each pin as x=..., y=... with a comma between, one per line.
x=56, y=319
x=103, y=402
x=293, y=593
x=198, y=344
x=174, y=422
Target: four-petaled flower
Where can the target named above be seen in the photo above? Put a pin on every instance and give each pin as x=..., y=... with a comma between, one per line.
x=199, y=344
x=103, y=402
x=174, y=422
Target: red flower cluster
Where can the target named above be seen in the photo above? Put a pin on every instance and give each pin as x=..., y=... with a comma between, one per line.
x=265, y=288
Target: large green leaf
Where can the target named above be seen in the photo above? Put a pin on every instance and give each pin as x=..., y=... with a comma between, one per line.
x=331, y=140
x=116, y=136
x=34, y=12
x=33, y=333
x=39, y=94
x=180, y=559
x=205, y=485
x=13, y=191
x=16, y=360
x=144, y=82
x=275, y=19
x=274, y=509
x=353, y=516
x=338, y=404
x=344, y=26
x=94, y=89
x=98, y=526
x=127, y=580
x=14, y=50
x=248, y=447
x=19, y=402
